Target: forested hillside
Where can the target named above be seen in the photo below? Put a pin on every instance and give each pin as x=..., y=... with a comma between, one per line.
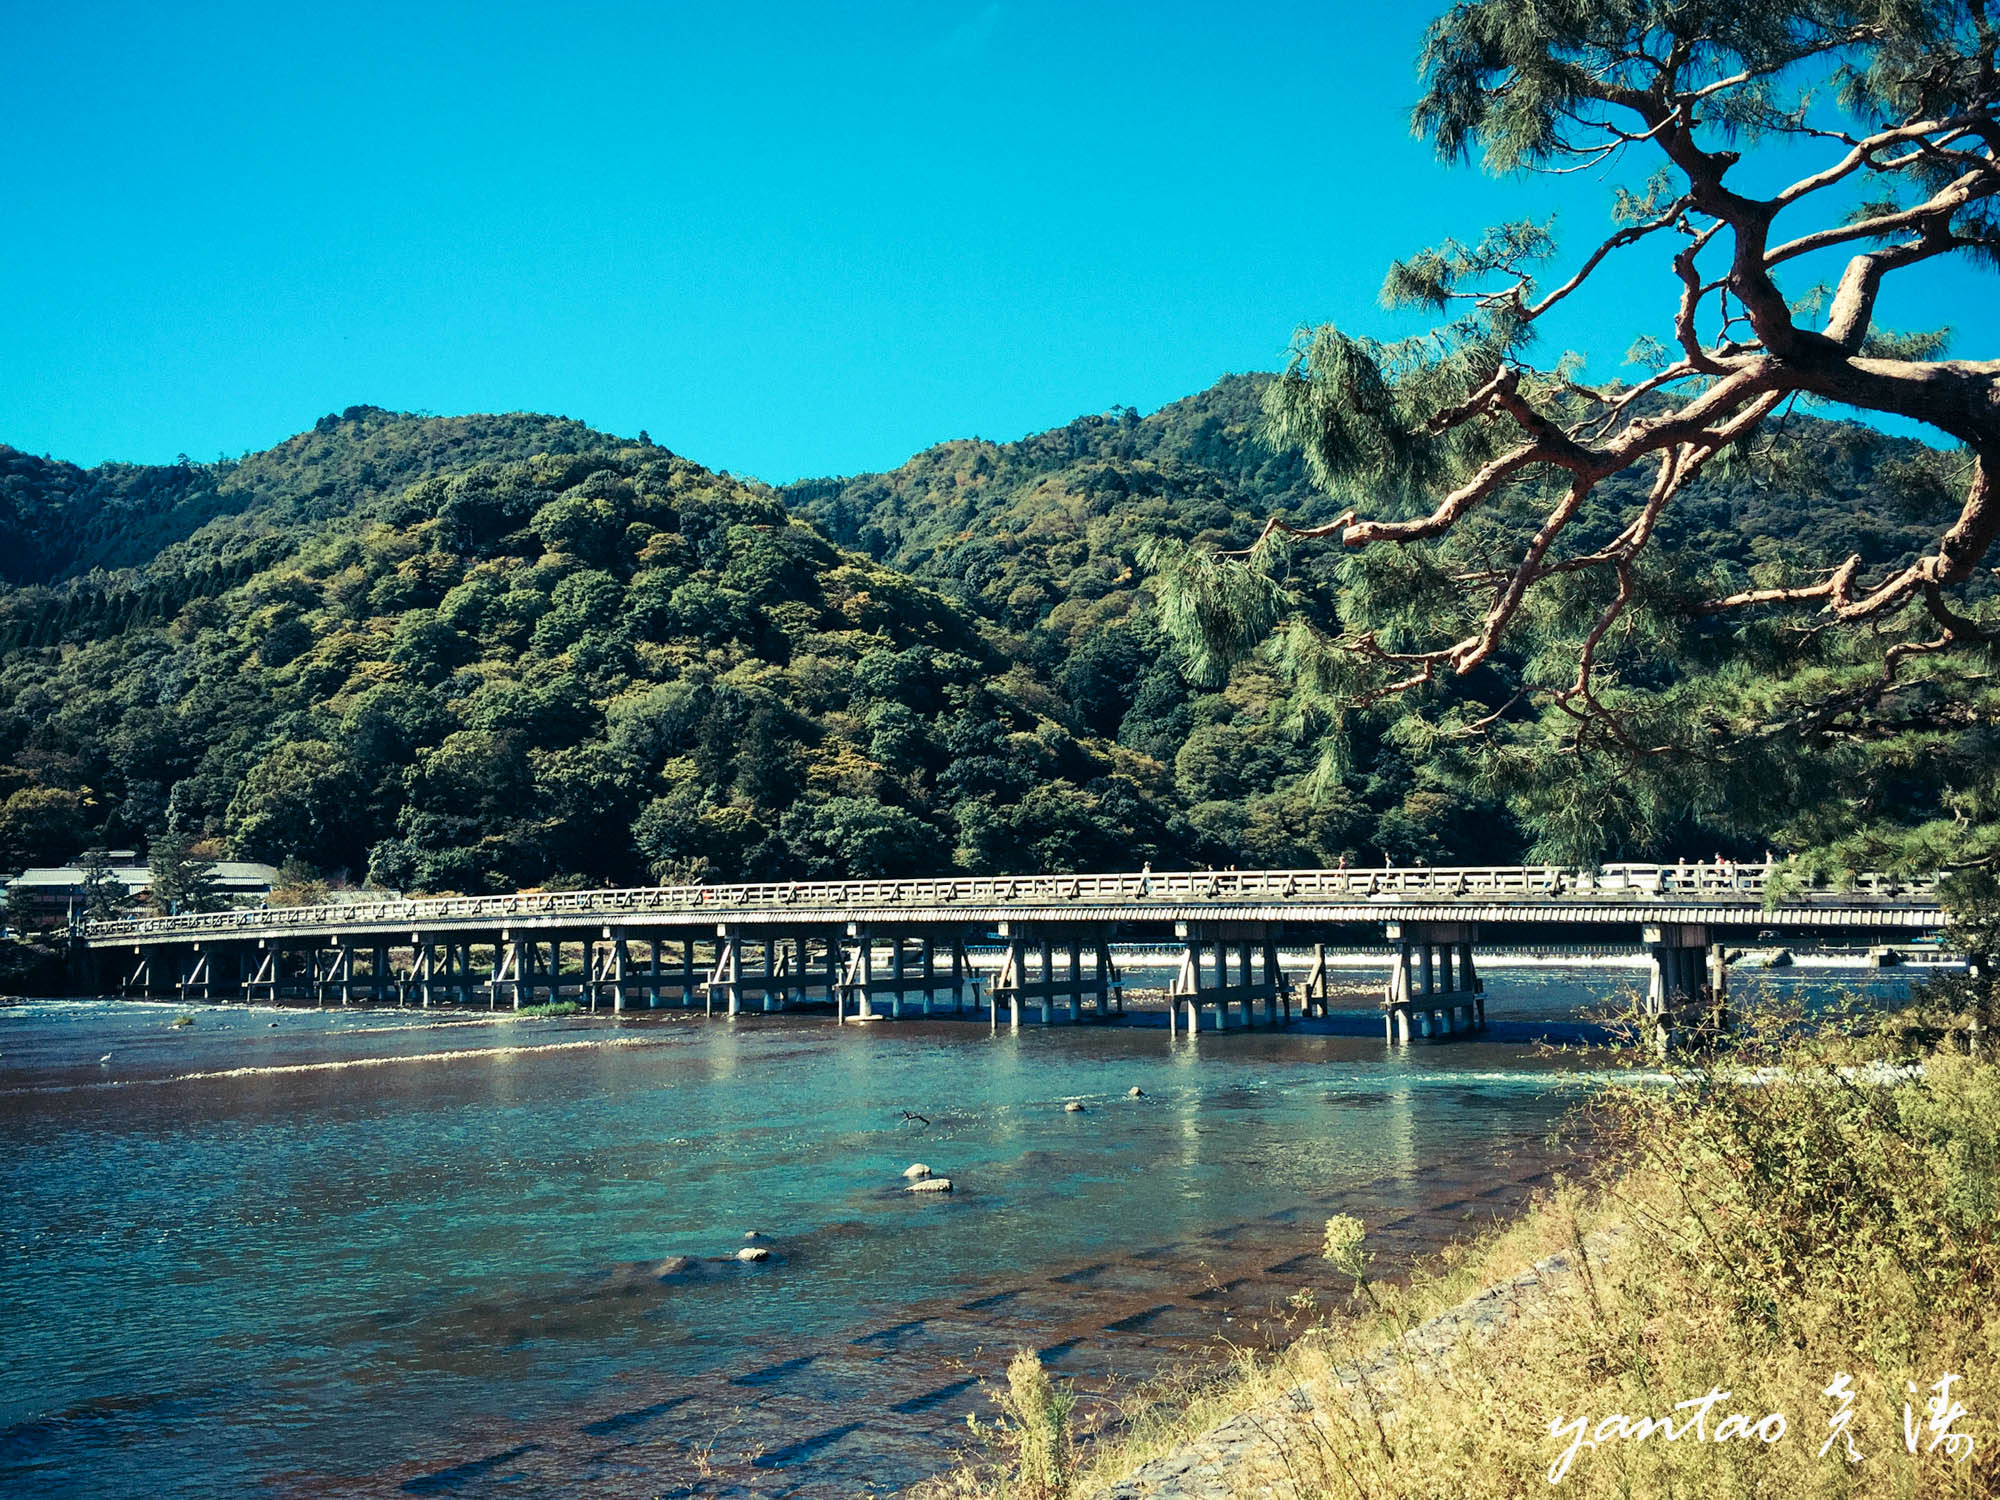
x=1043, y=537
x=605, y=664
x=64, y=521
x=478, y=653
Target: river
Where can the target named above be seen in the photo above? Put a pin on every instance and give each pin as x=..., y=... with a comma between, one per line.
x=300, y=1252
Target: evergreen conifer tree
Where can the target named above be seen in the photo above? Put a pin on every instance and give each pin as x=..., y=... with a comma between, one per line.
x=102, y=895
x=183, y=881
x=1513, y=596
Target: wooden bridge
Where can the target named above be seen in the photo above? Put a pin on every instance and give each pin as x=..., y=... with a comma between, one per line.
x=874, y=949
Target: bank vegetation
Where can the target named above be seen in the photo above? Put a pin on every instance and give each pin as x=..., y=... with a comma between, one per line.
x=1803, y=1222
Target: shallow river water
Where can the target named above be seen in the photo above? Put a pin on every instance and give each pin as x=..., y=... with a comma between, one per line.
x=300, y=1252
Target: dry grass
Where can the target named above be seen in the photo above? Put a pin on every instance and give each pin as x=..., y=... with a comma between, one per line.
x=1786, y=1220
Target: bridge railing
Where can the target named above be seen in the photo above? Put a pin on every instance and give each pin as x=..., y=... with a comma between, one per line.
x=1742, y=883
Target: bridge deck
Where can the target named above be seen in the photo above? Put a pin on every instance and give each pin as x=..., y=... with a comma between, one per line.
x=1738, y=898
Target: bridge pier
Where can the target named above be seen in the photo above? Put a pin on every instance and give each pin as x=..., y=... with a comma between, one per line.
x=213, y=979
x=620, y=960
x=1190, y=990
x=851, y=977
x=264, y=975
x=1434, y=991
x=857, y=978
x=506, y=969
x=1689, y=983
x=422, y=958
x=1043, y=969
x=772, y=995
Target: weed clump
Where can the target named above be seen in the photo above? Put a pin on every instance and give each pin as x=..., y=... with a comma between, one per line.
x=1031, y=1444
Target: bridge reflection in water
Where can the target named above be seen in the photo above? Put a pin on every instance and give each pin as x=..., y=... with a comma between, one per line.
x=879, y=949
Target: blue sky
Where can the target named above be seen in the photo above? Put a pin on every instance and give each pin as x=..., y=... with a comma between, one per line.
x=785, y=239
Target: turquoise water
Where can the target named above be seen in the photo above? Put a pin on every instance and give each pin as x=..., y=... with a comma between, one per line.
x=376, y=1252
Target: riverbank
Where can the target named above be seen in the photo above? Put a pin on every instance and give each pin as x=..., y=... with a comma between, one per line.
x=1786, y=1243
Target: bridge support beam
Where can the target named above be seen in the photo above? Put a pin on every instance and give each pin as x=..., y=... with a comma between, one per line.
x=1227, y=946
x=1434, y=990
x=722, y=978
x=1042, y=973
x=1689, y=983
x=264, y=975
x=854, y=980
x=422, y=959
x=507, y=969
x=194, y=974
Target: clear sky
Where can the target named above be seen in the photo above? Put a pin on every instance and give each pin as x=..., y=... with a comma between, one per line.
x=785, y=239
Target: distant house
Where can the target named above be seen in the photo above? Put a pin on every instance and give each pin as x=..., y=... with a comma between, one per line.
x=54, y=888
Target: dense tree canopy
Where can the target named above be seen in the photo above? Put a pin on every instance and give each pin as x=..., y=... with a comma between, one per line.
x=599, y=662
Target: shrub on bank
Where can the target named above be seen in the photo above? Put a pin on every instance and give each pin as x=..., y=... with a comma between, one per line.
x=30, y=968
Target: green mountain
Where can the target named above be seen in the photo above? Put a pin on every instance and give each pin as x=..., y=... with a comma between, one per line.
x=66, y=521
x=475, y=653
x=397, y=645
x=1042, y=538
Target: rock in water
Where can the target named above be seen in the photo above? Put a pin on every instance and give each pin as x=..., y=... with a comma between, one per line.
x=916, y=1170
x=753, y=1234
x=1073, y=1108
x=930, y=1185
x=753, y=1253
x=1135, y=1092
x=674, y=1265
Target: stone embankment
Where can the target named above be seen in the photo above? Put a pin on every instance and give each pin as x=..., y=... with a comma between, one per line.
x=1254, y=1452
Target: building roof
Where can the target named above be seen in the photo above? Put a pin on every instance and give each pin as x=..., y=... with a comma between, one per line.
x=230, y=875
